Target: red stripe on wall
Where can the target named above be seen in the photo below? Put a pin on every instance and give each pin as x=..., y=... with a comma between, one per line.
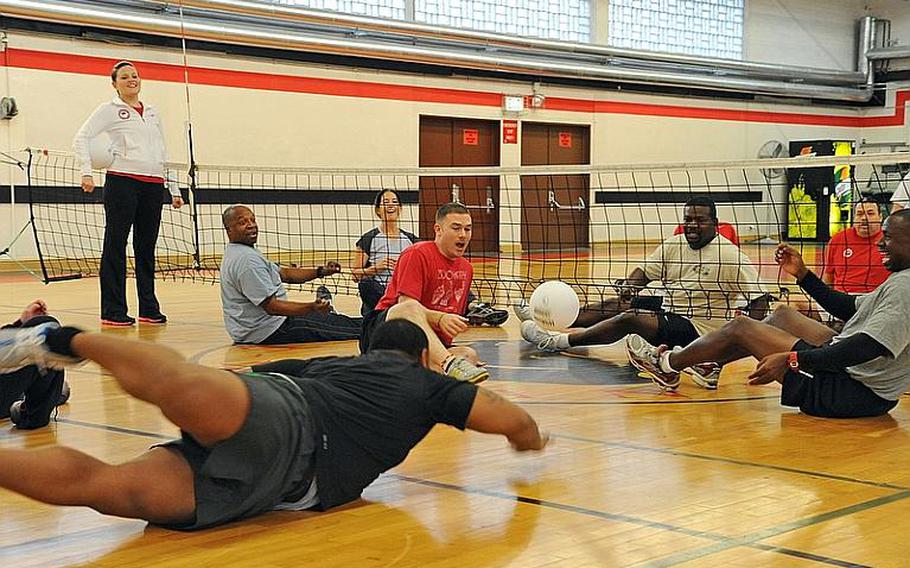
x=70, y=63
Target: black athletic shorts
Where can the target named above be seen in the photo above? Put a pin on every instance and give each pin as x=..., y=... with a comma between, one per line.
x=270, y=460
x=673, y=330
x=831, y=394
x=370, y=322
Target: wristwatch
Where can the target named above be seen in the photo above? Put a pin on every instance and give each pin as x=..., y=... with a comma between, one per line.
x=793, y=361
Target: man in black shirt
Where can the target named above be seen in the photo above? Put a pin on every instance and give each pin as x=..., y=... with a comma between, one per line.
x=290, y=435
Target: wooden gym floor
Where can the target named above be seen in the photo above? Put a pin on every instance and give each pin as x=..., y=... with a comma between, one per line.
x=634, y=477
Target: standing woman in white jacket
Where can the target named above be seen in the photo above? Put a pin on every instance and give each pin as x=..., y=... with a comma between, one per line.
x=133, y=194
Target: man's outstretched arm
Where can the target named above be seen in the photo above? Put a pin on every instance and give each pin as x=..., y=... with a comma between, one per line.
x=492, y=414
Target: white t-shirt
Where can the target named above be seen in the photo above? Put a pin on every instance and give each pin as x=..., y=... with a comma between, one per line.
x=901, y=194
x=706, y=285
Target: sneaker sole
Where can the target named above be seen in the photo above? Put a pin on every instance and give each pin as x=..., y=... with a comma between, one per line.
x=152, y=321
x=479, y=379
x=110, y=323
x=700, y=381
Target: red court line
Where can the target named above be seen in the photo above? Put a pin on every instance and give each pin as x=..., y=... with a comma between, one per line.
x=90, y=65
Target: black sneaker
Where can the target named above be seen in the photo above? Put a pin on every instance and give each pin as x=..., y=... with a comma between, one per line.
x=322, y=293
x=156, y=319
x=37, y=414
x=482, y=313
x=65, y=393
x=118, y=321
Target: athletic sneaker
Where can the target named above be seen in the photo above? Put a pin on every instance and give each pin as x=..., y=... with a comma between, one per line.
x=645, y=357
x=543, y=339
x=118, y=321
x=705, y=375
x=20, y=347
x=323, y=293
x=483, y=313
x=522, y=309
x=157, y=319
x=461, y=369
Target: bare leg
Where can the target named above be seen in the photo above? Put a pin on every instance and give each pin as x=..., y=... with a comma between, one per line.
x=157, y=486
x=591, y=314
x=795, y=323
x=187, y=394
x=417, y=314
x=739, y=338
x=615, y=328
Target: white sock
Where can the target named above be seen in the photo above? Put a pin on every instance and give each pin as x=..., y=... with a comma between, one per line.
x=665, y=361
x=562, y=341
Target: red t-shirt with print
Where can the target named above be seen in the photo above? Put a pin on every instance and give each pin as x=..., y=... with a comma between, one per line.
x=854, y=263
x=437, y=282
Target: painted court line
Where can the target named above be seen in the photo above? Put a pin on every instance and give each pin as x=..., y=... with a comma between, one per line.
x=752, y=539
x=634, y=402
x=669, y=451
x=721, y=542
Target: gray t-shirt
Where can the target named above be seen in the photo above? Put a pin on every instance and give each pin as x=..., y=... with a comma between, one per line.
x=884, y=315
x=247, y=280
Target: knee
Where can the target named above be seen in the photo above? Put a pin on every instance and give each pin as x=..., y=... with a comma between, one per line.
x=780, y=313
x=407, y=310
x=738, y=326
x=628, y=322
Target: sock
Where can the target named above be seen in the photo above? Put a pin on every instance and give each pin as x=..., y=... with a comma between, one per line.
x=562, y=341
x=665, y=361
x=60, y=340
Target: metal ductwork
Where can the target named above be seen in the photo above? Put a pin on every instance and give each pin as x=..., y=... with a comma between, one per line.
x=281, y=27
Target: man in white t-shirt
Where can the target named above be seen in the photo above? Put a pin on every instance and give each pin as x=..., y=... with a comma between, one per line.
x=706, y=278
x=901, y=197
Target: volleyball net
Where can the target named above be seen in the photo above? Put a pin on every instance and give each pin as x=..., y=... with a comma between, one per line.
x=586, y=226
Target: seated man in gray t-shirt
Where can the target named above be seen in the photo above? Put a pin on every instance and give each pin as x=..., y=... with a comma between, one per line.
x=860, y=372
x=254, y=300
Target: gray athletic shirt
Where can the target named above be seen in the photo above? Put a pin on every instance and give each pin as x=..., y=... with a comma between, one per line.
x=248, y=278
x=884, y=315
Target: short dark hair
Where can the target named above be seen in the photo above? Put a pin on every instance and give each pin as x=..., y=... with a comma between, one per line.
x=229, y=212
x=377, y=201
x=868, y=199
x=703, y=201
x=399, y=335
x=118, y=66
x=450, y=208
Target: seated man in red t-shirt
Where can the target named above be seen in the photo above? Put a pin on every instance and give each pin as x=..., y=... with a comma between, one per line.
x=853, y=263
x=429, y=287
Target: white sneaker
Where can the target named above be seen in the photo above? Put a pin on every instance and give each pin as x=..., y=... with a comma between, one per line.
x=461, y=369
x=543, y=339
x=645, y=357
x=705, y=375
x=522, y=309
x=23, y=346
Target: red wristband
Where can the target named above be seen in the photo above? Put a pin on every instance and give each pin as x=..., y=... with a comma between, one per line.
x=793, y=361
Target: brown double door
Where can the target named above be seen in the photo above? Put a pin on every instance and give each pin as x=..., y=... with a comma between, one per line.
x=554, y=208
x=461, y=142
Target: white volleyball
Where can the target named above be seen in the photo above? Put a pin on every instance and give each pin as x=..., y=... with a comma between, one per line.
x=101, y=151
x=554, y=305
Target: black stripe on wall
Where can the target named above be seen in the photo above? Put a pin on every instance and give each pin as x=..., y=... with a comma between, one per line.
x=73, y=194
x=619, y=197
